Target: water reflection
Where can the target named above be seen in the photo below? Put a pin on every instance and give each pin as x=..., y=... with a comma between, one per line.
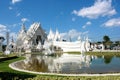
x=63, y=64
x=70, y=63
x=107, y=59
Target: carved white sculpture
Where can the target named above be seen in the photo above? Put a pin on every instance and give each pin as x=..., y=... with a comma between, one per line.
x=77, y=46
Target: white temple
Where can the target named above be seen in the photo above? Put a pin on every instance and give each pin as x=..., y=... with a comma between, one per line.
x=36, y=38
x=30, y=39
x=67, y=46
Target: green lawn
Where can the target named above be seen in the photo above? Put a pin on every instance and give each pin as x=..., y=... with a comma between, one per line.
x=104, y=53
x=7, y=73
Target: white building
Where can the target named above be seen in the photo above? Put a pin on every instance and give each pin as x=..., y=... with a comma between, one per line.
x=35, y=36
x=32, y=37
x=21, y=36
x=68, y=46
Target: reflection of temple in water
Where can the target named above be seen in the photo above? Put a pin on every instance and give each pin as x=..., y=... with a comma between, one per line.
x=64, y=64
x=69, y=62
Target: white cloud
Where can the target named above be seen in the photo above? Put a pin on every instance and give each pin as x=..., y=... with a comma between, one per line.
x=87, y=24
x=1, y=34
x=63, y=35
x=15, y=25
x=3, y=29
x=16, y=1
x=73, y=34
x=10, y=8
x=115, y=22
x=73, y=19
x=18, y=14
x=13, y=35
x=24, y=19
x=85, y=33
x=100, y=8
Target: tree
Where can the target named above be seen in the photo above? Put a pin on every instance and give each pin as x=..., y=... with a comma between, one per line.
x=107, y=42
x=107, y=59
x=117, y=43
x=106, y=38
x=2, y=39
x=99, y=42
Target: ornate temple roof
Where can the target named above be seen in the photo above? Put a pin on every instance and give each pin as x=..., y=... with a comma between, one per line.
x=50, y=35
x=31, y=31
x=57, y=36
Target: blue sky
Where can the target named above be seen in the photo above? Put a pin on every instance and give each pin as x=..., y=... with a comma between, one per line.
x=92, y=18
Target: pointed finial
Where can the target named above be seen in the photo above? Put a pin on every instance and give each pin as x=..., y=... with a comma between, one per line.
x=23, y=27
x=12, y=40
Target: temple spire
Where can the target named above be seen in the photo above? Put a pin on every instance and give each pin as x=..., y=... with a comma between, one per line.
x=50, y=35
x=23, y=29
x=12, y=40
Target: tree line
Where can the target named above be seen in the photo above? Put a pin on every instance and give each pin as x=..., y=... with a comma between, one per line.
x=108, y=43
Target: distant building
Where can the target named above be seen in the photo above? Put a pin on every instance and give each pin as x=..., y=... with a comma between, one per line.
x=7, y=37
x=1, y=41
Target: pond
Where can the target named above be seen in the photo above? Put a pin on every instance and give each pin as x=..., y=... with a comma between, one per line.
x=71, y=64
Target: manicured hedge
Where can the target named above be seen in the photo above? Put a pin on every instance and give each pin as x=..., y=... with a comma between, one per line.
x=14, y=76
x=7, y=58
x=22, y=76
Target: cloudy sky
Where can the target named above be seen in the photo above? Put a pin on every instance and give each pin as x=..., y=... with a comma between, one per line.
x=93, y=18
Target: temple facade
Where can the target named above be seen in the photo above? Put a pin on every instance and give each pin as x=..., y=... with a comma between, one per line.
x=31, y=37
x=35, y=38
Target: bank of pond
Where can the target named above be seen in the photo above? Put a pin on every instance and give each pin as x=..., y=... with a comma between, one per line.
x=7, y=73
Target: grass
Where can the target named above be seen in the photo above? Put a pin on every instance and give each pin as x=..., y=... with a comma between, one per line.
x=7, y=73
x=104, y=53
x=99, y=54
x=73, y=52
x=4, y=64
x=10, y=55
